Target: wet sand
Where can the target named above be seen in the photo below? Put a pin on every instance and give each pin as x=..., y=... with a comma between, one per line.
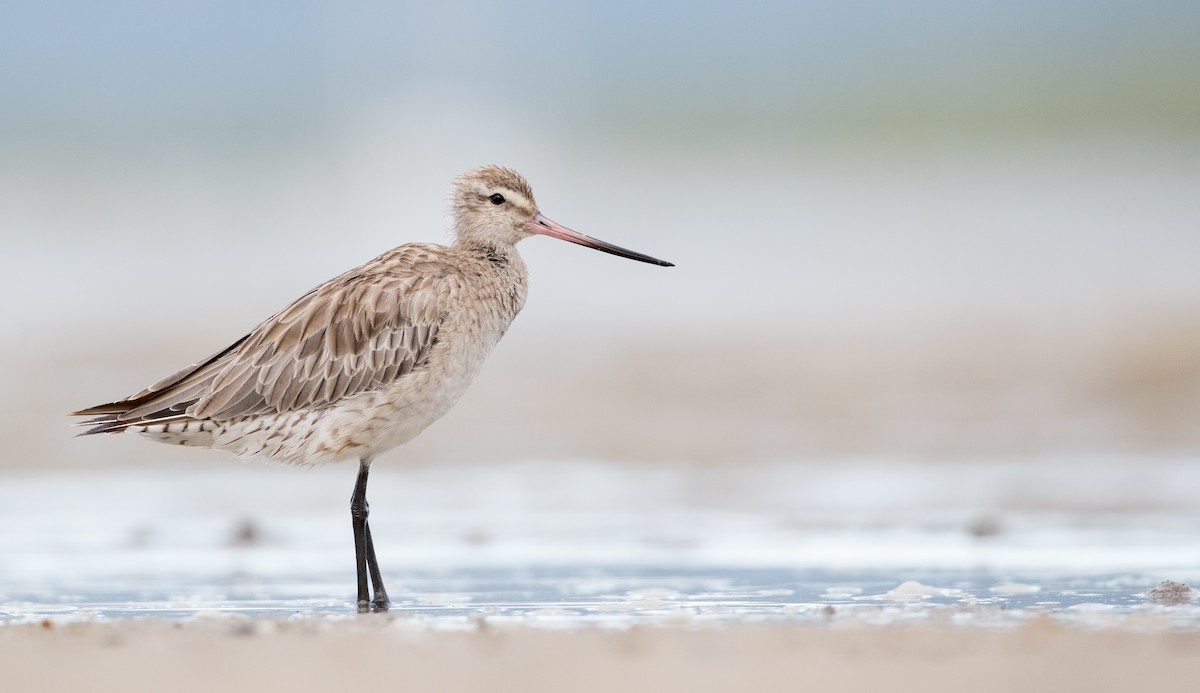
x=382, y=653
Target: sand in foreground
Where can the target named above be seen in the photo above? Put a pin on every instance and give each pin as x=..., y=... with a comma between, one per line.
x=381, y=654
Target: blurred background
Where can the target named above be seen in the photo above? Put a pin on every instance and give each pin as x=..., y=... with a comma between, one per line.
x=926, y=230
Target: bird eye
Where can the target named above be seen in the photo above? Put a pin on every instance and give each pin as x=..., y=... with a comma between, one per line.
x=497, y=199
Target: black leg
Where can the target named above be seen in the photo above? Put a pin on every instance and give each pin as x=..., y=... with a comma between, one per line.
x=380, y=602
x=358, y=521
x=364, y=548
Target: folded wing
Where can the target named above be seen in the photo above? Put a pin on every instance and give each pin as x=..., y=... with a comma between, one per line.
x=358, y=332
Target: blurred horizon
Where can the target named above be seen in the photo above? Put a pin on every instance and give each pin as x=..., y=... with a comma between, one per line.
x=190, y=69
x=917, y=229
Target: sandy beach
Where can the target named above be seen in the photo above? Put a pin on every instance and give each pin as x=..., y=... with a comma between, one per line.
x=374, y=653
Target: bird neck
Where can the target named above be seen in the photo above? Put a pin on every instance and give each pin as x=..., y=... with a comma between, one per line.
x=499, y=255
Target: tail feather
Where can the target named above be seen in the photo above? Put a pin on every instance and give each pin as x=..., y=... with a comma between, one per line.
x=100, y=409
x=163, y=402
x=111, y=420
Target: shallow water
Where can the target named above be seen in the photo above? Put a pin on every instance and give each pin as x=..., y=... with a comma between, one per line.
x=624, y=596
x=573, y=544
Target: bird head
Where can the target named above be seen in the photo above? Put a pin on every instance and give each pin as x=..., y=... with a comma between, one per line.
x=494, y=206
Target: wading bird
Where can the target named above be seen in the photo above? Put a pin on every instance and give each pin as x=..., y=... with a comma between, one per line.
x=365, y=361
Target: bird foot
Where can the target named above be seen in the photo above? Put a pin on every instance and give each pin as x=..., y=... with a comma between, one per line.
x=375, y=606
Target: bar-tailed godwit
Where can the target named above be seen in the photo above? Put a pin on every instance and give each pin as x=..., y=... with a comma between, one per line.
x=365, y=361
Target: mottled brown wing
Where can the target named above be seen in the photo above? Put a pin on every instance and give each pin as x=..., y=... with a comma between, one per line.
x=357, y=332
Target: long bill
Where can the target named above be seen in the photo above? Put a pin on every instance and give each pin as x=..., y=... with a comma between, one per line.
x=545, y=227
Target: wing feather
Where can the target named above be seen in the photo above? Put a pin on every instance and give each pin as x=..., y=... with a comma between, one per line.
x=355, y=333
x=348, y=336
